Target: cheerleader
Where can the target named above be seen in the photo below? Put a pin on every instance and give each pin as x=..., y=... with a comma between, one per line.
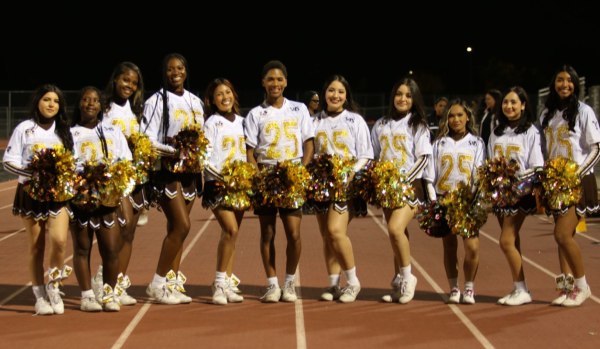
x=166, y=112
x=278, y=130
x=46, y=128
x=96, y=141
x=340, y=130
x=517, y=138
x=123, y=101
x=224, y=129
x=457, y=152
x=571, y=130
x=403, y=135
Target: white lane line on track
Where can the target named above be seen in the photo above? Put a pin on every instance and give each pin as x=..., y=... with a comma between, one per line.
x=17, y=292
x=138, y=317
x=13, y=234
x=539, y=267
x=300, y=331
x=465, y=320
x=9, y=188
x=578, y=233
x=7, y=206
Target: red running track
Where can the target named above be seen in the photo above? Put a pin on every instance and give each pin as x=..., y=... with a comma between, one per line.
x=426, y=322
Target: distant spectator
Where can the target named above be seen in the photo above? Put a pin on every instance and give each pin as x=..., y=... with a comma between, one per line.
x=433, y=119
x=488, y=121
x=311, y=99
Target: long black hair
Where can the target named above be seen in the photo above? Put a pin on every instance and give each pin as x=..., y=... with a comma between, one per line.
x=349, y=104
x=553, y=100
x=165, y=88
x=417, y=117
x=527, y=118
x=77, y=117
x=136, y=101
x=61, y=126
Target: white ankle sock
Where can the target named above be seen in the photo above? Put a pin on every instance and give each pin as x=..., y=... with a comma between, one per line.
x=453, y=283
x=88, y=293
x=273, y=281
x=39, y=291
x=581, y=283
x=406, y=273
x=520, y=285
x=469, y=285
x=351, y=276
x=220, y=277
x=334, y=280
x=289, y=277
x=159, y=281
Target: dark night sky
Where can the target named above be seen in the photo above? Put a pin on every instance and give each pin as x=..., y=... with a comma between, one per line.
x=372, y=44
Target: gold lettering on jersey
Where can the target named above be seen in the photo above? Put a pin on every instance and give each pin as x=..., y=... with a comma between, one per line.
x=464, y=166
x=512, y=151
x=386, y=144
x=109, y=142
x=121, y=124
x=38, y=146
x=228, y=140
x=448, y=164
x=179, y=113
x=549, y=133
x=322, y=142
x=498, y=151
x=273, y=128
x=398, y=146
x=338, y=144
x=291, y=136
x=91, y=146
x=135, y=126
x=563, y=140
x=242, y=145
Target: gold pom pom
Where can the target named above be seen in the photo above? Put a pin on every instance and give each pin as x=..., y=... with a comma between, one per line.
x=561, y=183
x=143, y=156
x=465, y=213
x=330, y=175
x=193, y=148
x=53, y=175
x=391, y=189
x=236, y=190
x=283, y=185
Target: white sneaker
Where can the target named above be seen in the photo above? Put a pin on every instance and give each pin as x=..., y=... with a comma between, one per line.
x=97, y=282
x=565, y=285
x=502, y=301
x=110, y=298
x=272, y=295
x=125, y=283
x=90, y=304
x=162, y=295
x=143, y=220
x=519, y=297
x=408, y=290
x=234, y=282
x=562, y=296
x=288, y=292
x=176, y=285
x=454, y=297
x=218, y=294
x=42, y=307
x=468, y=296
x=331, y=294
x=233, y=296
x=349, y=293
x=53, y=292
x=395, y=293
x=577, y=296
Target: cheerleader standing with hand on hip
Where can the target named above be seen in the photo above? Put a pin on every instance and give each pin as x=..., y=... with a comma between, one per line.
x=46, y=128
x=167, y=112
x=97, y=141
x=457, y=152
x=571, y=131
x=340, y=130
x=225, y=130
x=279, y=130
x=516, y=138
x=402, y=135
x=123, y=101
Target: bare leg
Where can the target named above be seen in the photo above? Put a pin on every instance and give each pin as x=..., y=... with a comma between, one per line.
x=564, y=234
x=450, y=243
x=510, y=243
x=36, y=238
x=397, y=222
x=267, y=244
x=471, y=263
x=127, y=234
x=291, y=226
x=331, y=263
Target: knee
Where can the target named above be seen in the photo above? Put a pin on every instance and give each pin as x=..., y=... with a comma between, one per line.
x=267, y=234
x=128, y=233
x=180, y=229
x=562, y=239
x=507, y=244
x=231, y=233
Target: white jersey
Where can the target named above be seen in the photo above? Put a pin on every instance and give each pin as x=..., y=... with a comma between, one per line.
x=346, y=135
x=525, y=147
x=183, y=111
x=454, y=162
x=122, y=117
x=394, y=140
x=573, y=145
x=228, y=141
x=278, y=134
x=27, y=138
x=89, y=148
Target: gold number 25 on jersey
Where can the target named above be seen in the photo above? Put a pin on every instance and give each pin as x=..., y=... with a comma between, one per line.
x=272, y=128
